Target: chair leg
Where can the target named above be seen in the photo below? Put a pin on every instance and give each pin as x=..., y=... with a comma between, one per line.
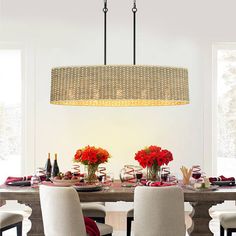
x=129, y=221
x=229, y=232
x=222, y=231
x=0, y=232
x=19, y=229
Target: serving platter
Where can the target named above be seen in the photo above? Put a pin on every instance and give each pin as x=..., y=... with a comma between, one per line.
x=211, y=188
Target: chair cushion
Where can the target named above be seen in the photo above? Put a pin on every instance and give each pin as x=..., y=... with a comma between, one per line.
x=93, y=209
x=7, y=219
x=130, y=213
x=228, y=220
x=104, y=229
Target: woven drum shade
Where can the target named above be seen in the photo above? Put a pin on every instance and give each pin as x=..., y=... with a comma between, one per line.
x=119, y=85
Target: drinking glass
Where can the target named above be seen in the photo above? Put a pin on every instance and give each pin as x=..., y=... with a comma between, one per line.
x=196, y=175
x=127, y=175
x=165, y=172
x=101, y=173
x=173, y=177
x=109, y=178
x=196, y=172
x=35, y=179
x=138, y=175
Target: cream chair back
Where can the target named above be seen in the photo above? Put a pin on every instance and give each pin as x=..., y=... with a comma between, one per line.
x=61, y=211
x=159, y=211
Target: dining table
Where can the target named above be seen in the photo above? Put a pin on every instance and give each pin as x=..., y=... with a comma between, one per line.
x=201, y=202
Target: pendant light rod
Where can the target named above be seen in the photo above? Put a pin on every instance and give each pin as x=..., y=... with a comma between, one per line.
x=105, y=10
x=134, y=10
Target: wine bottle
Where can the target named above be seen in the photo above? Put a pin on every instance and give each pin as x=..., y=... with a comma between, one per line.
x=48, y=168
x=55, y=168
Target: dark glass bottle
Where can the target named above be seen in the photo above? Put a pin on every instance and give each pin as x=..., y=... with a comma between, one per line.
x=55, y=167
x=48, y=168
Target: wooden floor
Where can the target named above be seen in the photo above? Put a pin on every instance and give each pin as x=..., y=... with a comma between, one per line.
x=118, y=221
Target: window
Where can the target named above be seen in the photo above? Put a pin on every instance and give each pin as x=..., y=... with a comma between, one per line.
x=226, y=111
x=10, y=113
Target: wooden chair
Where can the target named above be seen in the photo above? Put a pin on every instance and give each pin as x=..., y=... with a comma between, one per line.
x=10, y=220
x=228, y=223
x=159, y=211
x=62, y=213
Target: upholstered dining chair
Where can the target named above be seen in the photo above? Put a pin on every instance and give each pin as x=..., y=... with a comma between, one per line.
x=228, y=223
x=10, y=220
x=159, y=211
x=62, y=213
x=94, y=210
x=129, y=219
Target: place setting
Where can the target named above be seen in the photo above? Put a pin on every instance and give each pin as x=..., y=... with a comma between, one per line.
x=194, y=179
x=153, y=169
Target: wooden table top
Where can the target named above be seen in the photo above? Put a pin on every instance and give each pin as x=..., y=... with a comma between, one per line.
x=118, y=193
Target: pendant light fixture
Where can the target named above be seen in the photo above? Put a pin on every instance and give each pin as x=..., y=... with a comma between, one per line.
x=119, y=85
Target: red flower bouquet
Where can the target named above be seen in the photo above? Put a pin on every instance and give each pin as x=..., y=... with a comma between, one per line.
x=153, y=158
x=91, y=157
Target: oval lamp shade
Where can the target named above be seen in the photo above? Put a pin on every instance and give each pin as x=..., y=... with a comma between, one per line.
x=119, y=85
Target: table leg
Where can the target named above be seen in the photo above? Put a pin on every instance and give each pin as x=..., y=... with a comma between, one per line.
x=2, y=202
x=36, y=219
x=201, y=218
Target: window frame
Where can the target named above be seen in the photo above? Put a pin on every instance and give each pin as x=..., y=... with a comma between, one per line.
x=27, y=104
x=215, y=48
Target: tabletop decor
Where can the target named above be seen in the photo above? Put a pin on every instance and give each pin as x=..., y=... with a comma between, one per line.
x=153, y=158
x=201, y=202
x=91, y=157
x=65, y=179
x=157, y=183
x=128, y=175
x=222, y=181
x=186, y=174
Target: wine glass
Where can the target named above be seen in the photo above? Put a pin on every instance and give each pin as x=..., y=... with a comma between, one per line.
x=165, y=172
x=35, y=179
x=100, y=177
x=173, y=177
x=138, y=175
x=127, y=175
x=101, y=173
x=196, y=172
x=196, y=175
x=109, y=179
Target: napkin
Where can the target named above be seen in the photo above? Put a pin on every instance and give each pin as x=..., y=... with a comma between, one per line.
x=156, y=184
x=91, y=227
x=24, y=178
x=221, y=178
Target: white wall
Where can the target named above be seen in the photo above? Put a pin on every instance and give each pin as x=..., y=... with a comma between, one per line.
x=174, y=33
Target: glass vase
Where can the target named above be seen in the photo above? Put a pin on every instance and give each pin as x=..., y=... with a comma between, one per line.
x=91, y=176
x=153, y=172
